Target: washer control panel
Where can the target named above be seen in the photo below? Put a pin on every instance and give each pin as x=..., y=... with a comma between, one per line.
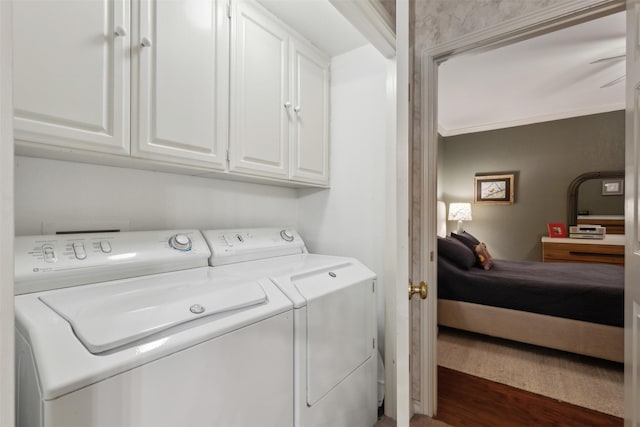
x=51, y=250
x=53, y=261
x=231, y=246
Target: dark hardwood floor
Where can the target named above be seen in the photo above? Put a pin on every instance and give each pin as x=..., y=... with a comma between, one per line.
x=465, y=400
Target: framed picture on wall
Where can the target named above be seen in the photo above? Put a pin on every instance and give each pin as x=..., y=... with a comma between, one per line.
x=557, y=230
x=494, y=189
x=612, y=187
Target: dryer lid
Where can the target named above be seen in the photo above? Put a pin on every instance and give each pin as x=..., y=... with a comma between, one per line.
x=340, y=325
x=110, y=315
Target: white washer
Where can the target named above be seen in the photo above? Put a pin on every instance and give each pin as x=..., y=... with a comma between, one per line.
x=134, y=329
x=334, y=320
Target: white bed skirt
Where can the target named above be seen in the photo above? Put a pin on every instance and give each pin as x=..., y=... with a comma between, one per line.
x=576, y=336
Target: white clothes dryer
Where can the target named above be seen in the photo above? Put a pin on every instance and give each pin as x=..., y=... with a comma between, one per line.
x=334, y=299
x=134, y=329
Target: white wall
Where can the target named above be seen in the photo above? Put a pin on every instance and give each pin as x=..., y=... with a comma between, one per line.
x=6, y=218
x=49, y=190
x=349, y=218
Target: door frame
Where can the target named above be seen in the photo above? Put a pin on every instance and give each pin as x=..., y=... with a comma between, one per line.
x=401, y=326
x=546, y=20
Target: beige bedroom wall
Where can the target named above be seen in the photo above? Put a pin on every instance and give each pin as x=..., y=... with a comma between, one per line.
x=436, y=22
x=545, y=157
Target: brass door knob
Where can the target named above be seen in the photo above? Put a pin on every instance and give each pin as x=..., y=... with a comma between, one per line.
x=420, y=289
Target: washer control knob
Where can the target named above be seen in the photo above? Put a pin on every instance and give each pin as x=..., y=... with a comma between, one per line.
x=49, y=253
x=181, y=242
x=287, y=235
x=105, y=246
x=78, y=249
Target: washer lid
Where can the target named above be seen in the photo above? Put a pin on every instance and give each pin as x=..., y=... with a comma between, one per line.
x=110, y=315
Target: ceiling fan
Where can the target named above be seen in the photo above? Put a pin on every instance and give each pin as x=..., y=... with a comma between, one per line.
x=611, y=58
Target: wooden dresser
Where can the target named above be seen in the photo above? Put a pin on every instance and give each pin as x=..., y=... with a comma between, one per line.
x=610, y=250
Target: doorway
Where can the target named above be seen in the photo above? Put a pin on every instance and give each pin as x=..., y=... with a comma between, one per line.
x=511, y=32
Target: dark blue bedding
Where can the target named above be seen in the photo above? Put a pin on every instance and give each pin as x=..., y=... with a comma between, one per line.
x=588, y=292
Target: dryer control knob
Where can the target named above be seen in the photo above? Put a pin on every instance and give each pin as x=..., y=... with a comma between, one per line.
x=181, y=242
x=287, y=235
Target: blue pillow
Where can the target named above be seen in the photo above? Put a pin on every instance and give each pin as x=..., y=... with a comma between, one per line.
x=456, y=252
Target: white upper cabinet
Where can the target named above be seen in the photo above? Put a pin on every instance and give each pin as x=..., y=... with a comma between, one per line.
x=71, y=73
x=279, y=102
x=181, y=82
x=213, y=91
x=260, y=105
x=310, y=121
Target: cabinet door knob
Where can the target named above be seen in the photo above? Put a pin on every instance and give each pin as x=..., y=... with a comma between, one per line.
x=297, y=108
x=287, y=105
x=145, y=42
x=120, y=31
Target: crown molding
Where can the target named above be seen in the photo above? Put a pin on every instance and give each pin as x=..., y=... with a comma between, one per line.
x=373, y=21
x=530, y=120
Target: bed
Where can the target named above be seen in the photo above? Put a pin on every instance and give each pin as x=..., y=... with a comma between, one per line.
x=570, y=307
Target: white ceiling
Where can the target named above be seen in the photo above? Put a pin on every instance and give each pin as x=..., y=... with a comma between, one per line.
x=545, y=78
x=319, y=22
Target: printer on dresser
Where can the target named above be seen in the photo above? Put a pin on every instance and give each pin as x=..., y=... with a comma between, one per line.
x=614, y=224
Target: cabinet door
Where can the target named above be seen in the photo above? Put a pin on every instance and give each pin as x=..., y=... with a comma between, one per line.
x=260, y=104
x=71, y=73
x=310, y=146
x=181, y=82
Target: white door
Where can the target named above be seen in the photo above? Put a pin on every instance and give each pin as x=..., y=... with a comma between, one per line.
x=632, y=217
x=71, y=74
x=180, y=54
x=310, y=114
x=260, y=104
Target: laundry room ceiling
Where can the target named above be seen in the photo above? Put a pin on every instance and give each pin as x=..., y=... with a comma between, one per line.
x=568, y=73
x=318, y=21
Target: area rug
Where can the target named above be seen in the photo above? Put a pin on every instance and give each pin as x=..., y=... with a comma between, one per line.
x=584, y=381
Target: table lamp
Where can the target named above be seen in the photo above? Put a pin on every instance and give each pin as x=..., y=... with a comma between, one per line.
x=459, y=212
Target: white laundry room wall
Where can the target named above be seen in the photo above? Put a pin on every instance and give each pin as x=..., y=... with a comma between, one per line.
x=52, y=190
x=349, y=218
